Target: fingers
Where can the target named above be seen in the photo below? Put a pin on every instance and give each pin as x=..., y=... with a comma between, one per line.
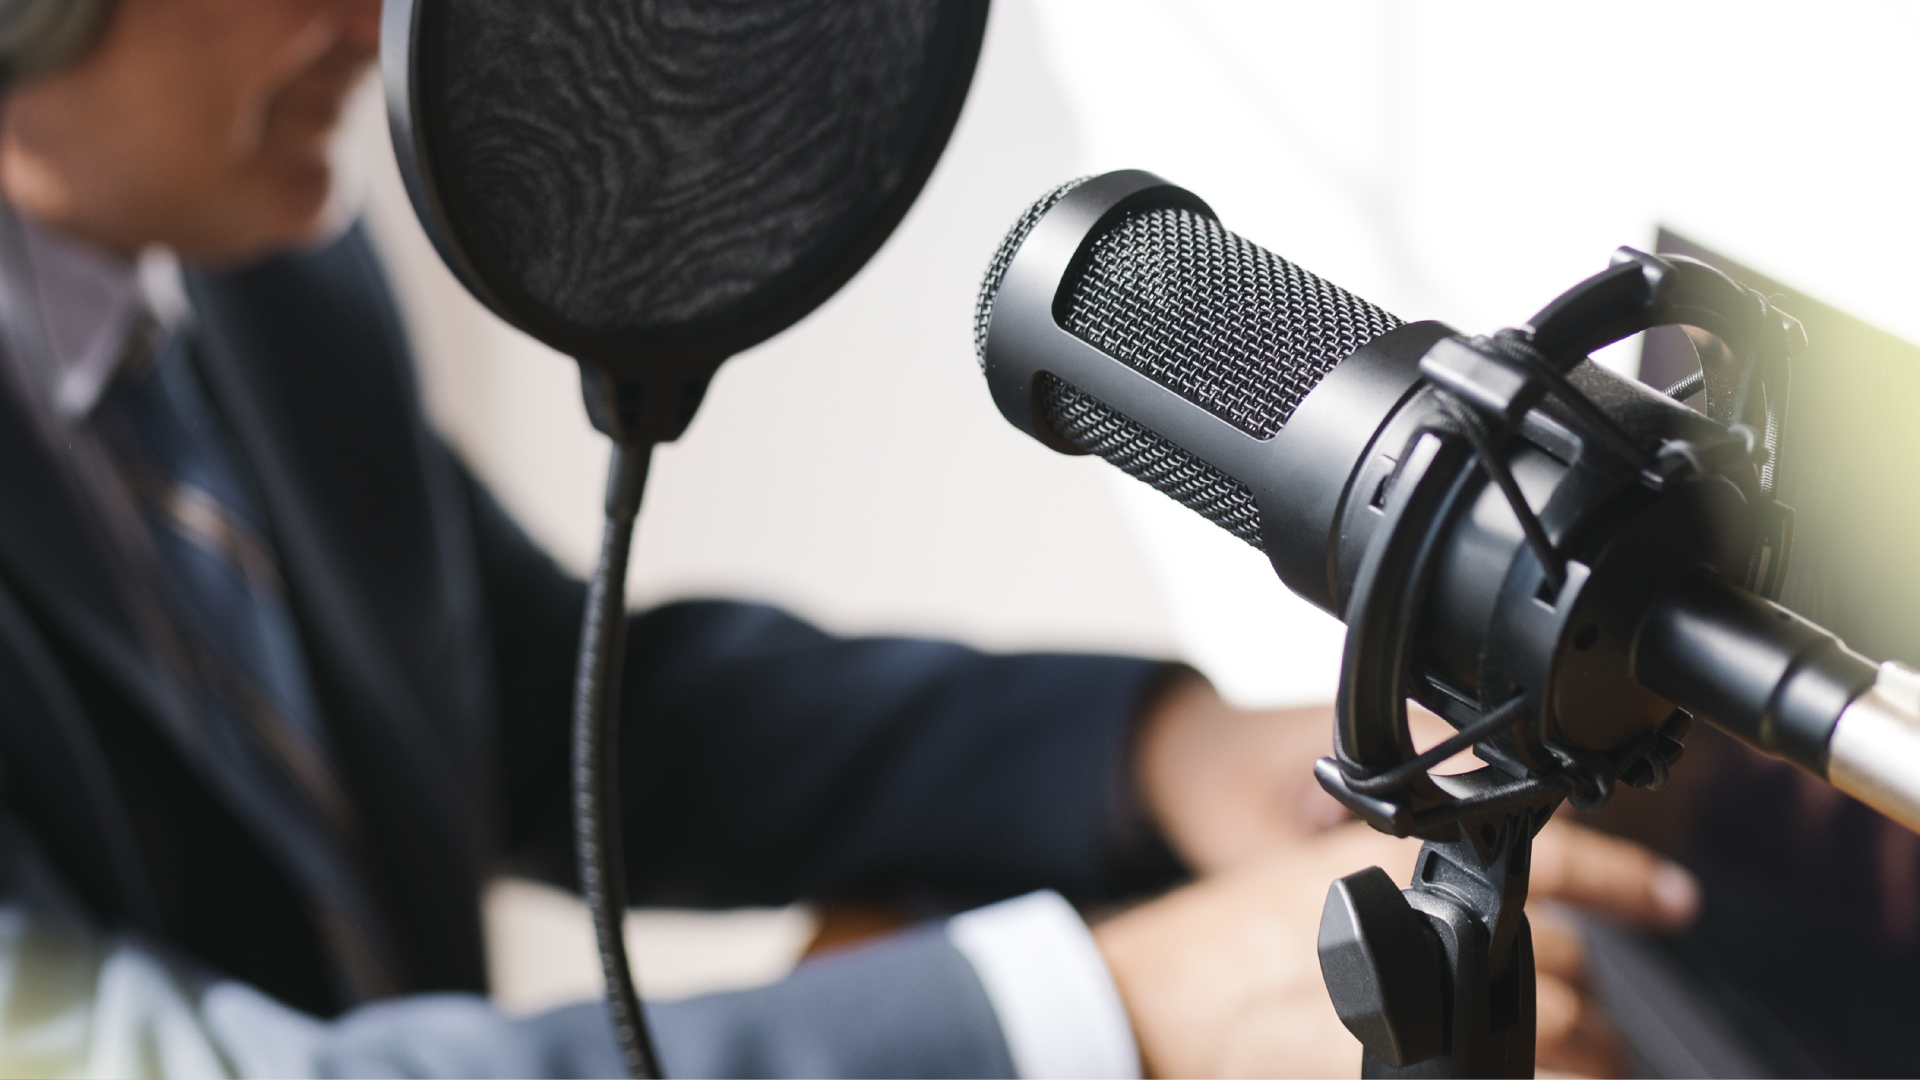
x=1612, y=877
x=1226, y=785
x=1222, y=978
x=1573, y=1036
x=1354, y=846
x=1558, y=952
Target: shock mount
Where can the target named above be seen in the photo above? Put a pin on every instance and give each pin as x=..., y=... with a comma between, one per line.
x=1529, y=656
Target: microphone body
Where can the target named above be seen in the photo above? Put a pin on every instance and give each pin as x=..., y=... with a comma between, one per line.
x=1121, y=319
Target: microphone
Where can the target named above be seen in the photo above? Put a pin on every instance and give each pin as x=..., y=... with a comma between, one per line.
x=1564, y=564
x=1119, y=318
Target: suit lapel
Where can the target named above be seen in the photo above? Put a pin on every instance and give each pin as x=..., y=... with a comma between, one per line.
x=79, y=582
x=337, y=625
x=58, y=553
x=61, y=781
x=411, y=732
x=294, y=356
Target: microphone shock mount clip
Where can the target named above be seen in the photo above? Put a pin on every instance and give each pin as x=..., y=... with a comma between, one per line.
x=1437, y=979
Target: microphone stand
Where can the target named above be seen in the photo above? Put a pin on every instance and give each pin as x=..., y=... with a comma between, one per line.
x=1438, y=979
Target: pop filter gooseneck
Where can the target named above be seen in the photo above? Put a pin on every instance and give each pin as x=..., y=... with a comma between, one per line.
x=651, y=186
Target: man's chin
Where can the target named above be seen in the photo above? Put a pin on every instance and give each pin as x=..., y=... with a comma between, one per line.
x=287, y=212
x=324, y=199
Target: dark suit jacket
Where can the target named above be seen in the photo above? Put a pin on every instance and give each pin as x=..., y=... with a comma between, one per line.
x=764, y=760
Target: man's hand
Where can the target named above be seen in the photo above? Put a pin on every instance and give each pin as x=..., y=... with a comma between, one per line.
x=1225, y=784
x=1221, y=977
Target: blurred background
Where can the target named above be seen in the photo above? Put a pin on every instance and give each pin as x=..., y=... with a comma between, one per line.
x=1460, y=161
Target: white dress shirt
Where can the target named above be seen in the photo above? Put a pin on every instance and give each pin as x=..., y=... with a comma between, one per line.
x=89, y=302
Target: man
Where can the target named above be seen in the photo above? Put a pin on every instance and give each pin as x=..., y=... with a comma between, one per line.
x=281, y=684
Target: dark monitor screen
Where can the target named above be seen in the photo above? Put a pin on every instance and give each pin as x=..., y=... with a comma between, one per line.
x=1807, y=952
x=1850, y=464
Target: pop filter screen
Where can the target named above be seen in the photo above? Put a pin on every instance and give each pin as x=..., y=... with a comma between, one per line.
x=629, y=179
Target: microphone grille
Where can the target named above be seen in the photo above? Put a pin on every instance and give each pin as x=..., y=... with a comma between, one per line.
x=1218, y=319
x=1215, y=318
x=1002, y=258
x=1090, y=426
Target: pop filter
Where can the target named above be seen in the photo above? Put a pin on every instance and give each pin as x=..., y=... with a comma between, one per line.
x=651, y=186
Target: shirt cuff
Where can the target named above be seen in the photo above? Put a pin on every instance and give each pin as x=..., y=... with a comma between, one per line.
x=1049, y=986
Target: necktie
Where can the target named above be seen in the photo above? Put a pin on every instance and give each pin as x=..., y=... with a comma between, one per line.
x=257, y=716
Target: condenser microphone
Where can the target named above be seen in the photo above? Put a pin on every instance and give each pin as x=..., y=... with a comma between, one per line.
x=1585, y=553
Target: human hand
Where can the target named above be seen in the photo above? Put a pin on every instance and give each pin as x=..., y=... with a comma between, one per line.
x=1222, y=977
x=1225, y=784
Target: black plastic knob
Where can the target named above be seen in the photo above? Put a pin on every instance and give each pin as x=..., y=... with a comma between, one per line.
x=1384, y=969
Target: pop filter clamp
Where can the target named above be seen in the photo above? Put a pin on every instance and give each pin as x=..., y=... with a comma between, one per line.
x=1438, y=979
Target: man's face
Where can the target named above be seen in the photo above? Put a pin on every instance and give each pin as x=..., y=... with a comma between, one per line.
x=203, y=125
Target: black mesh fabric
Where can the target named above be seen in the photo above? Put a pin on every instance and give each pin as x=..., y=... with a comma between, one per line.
x=1085, y=423
x=1003, y=258
x=643, y=166
x=1231, y=326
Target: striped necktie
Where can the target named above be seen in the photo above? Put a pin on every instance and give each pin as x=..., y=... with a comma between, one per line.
x=257, y=715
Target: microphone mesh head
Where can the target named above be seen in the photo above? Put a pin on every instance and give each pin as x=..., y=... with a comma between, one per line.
x=1002, y=258
x=1083, y=422
x=1224, y=322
